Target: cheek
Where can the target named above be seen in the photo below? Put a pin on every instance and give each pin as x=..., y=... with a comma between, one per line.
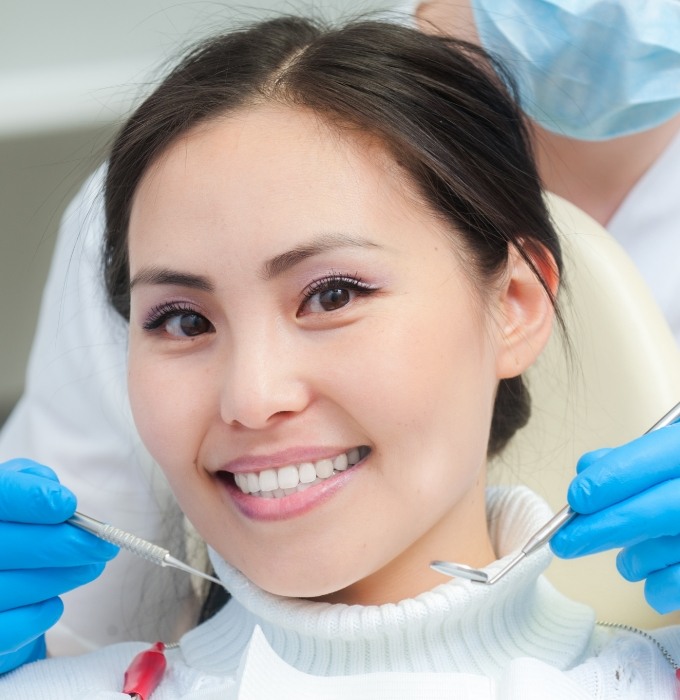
x=423, y=390
x=437, y=367
x=165, y=412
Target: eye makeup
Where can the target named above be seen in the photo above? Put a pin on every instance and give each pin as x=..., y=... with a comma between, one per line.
x=163, y=313
x=351, y=284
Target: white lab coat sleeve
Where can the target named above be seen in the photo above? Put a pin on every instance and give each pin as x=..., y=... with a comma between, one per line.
x=75, y=417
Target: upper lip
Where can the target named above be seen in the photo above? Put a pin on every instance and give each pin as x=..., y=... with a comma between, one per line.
x=282, y=458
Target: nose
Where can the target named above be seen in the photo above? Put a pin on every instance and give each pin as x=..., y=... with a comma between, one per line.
x=265, y=379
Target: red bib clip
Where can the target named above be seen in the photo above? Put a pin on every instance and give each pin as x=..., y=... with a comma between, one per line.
x=145, y=672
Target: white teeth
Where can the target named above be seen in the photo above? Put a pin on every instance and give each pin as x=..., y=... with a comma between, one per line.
x=324, y=468
x=253, y=483
x=307, y=473
x=268, y=480
x=289, y=477
x=276, y=483
x=340, y=462
x=242, y=482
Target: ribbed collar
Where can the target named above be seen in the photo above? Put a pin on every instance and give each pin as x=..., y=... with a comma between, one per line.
x=458, y=626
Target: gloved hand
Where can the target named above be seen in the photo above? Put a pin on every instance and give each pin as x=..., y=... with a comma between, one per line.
x=629, y=497
x=40, y=558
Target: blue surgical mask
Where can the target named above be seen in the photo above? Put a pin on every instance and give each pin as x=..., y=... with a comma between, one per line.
x=589, y=69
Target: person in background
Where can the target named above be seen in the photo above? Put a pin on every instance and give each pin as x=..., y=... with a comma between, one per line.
x=74, y=415
x=600, y=82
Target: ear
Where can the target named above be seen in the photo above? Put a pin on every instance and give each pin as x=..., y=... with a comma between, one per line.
x=455, y=19
x=526, y=311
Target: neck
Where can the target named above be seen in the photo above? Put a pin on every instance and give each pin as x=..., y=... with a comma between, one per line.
x=597, y=176
x=459, y=626
x=462, y=535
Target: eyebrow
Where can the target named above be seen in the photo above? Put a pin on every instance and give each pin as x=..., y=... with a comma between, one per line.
x=327, y=241
x=272, y=268
x=162, y=275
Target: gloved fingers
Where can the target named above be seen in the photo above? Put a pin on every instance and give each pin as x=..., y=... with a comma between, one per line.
x=662, y=589
x=590, y=458
x=26, y=497
x=30, y=652
x=21, y=626
x=28, y=586
x=50, y=546
x=28, y=466
x=639, y=561
x=653, y=513
x=624, y=471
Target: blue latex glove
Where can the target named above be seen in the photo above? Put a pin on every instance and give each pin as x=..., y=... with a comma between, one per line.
x=629, y=498
x=40, y=558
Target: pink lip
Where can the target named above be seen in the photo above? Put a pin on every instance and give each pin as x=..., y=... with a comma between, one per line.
x=295, y=505
x=276, y=460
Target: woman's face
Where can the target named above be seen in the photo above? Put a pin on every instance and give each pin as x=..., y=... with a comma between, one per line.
x=309, y=363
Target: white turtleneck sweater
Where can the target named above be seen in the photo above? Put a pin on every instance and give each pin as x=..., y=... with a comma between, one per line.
x=518, y=639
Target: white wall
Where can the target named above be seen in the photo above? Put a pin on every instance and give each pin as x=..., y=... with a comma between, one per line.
x=69, y=70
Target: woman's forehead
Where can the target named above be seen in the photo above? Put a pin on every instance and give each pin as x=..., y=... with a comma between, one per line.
x=275, y=166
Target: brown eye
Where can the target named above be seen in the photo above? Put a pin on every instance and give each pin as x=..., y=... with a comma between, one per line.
x=333, y=293
x=333, y=299
x=187, y=325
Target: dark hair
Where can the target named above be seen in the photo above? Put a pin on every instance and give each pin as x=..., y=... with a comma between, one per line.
x=437, y=104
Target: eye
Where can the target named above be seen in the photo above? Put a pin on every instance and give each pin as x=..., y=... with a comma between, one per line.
x=178, y=321
x=332, y=293
x=187, y=325
x=331, y=299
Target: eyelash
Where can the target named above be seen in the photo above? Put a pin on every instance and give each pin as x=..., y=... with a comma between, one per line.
x=333, y=281
x=164, y=312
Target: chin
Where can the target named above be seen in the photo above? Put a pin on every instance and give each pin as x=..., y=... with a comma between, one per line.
x=299, y=585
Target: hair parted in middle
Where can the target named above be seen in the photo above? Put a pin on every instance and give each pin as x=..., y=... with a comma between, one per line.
x=437, y=105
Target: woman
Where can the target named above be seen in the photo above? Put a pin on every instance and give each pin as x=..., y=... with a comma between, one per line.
x=75, y=412
x=335, y=259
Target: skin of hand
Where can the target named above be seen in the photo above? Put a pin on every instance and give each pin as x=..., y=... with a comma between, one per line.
x=41, y=557
x=629, y=498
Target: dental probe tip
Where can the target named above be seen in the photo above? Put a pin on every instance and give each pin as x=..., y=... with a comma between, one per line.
x=177, y=564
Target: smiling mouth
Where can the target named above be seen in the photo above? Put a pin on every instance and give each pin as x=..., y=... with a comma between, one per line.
x=285, y=481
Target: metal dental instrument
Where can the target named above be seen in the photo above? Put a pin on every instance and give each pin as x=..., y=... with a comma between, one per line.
x=540, y=538
x=136, y=545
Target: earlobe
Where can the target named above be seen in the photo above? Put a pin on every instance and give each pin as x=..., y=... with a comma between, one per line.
x=526, y=311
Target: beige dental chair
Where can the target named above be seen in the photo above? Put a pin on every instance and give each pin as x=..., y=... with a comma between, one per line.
x=623, y=375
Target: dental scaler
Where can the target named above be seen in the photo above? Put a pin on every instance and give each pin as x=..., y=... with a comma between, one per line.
x=450, y=568
x=147, y=550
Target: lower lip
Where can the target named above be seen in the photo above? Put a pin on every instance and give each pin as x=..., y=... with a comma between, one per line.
x=299, y=503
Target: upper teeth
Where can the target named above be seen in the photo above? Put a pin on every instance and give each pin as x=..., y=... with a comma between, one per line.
x=294, y=477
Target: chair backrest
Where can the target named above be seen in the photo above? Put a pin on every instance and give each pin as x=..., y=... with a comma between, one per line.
x=623, y=374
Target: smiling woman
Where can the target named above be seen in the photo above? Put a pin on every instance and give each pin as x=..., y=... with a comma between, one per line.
x=292, y=354
x=335, y=259
x=288, y=302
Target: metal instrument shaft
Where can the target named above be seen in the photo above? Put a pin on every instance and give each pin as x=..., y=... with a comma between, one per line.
x=147, y=550
x=450, y=568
